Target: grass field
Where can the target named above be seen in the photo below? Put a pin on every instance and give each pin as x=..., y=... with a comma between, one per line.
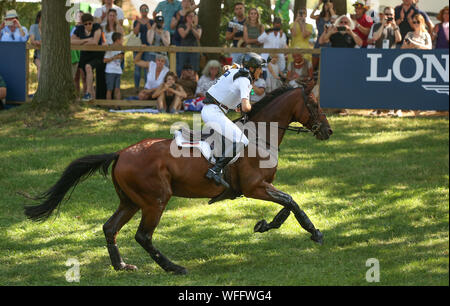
x=379, y=188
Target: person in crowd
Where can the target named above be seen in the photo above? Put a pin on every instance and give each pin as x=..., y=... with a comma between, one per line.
x=189, y=79
x=253, y=29
x=141, y=26
x=403, y=17
x=440, y=32
x=11, y=30
x=3, y=93
x=77, y=73
x=112, y=26
x=428, y=22
x=168, y=8
x=169, y=95
x=35, y=40
x=341, y=34
x=386, y=34
x=178, y=19
x=376, y=25
x=101, y=14
x=157, y=71
x=323, y=21
x=258, y=90
x=363, y=23
x=419, y=38
x=235, y=29
x=273, y=80
x=210, y=75
x=90, y=33
x=274, y=38
x=190, y=33
x=157, y=36
x=301, y=32
x=113, y=71
x=300, y=71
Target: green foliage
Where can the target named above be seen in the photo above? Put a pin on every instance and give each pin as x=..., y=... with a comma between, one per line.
x=377, y=189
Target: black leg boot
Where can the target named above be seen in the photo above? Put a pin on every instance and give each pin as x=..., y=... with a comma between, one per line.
x=216, y=173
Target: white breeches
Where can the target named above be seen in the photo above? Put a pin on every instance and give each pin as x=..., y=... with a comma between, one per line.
x=215, y=118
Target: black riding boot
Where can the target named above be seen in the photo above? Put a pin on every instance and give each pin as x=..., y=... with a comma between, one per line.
x=216, y=172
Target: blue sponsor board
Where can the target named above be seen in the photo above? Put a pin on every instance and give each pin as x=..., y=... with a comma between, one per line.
x=384, y=79
x=13, y=70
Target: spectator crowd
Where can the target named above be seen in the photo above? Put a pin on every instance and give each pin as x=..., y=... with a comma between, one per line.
x=175, y=22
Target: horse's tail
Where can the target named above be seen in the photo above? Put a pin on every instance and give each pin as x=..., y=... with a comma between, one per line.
x=78, y=171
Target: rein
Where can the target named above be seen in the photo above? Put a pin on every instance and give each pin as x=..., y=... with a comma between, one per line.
x=314, y=116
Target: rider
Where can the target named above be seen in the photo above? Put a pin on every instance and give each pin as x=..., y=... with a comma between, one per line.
x=231, y=91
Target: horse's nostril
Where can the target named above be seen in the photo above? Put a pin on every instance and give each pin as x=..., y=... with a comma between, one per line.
x=330, y=132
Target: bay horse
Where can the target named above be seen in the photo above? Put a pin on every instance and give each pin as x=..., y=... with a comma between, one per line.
x=146, y=176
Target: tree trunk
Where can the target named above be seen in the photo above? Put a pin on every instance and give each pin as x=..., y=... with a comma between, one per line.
x=56, y=90
x=268, y=12
x=209, y=16
x=340, y=7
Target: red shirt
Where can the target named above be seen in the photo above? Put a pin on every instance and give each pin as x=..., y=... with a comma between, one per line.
x=366, y=22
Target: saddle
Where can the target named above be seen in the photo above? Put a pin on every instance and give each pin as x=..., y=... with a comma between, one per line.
x=204, y=141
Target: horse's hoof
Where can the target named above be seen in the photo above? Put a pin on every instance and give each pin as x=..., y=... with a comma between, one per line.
x=317, y=236
x=178, y=270
x=260, y=227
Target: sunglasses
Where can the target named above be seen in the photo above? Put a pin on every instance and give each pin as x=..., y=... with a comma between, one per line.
x=416, y=22
x=87, y=23
x=388, y=15
x=144, y=10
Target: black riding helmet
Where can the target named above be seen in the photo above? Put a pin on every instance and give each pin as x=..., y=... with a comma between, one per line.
x=252, y=60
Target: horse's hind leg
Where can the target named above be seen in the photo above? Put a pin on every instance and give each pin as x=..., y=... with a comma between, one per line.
x=150, y=220
x=111, y=228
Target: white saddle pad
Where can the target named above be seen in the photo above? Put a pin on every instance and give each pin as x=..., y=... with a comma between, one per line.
x=203, y=146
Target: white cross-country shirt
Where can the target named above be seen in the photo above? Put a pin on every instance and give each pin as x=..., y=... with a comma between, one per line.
x=230, y=92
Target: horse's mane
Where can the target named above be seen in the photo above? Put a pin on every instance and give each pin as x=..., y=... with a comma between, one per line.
x=257, y=107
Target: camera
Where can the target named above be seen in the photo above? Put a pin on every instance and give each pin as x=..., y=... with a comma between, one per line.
x=159, y=20
x=390, y=18
x=341, y=29
x=9, y=23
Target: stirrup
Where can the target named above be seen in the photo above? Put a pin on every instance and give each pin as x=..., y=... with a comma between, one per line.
x=217, y=178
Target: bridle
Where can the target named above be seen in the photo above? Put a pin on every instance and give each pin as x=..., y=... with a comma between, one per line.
x=314, y=119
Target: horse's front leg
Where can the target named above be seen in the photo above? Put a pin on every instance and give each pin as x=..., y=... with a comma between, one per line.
x=262, y=226
x=268, y=192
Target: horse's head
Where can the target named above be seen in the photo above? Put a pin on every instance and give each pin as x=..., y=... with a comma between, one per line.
x=312, y=117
